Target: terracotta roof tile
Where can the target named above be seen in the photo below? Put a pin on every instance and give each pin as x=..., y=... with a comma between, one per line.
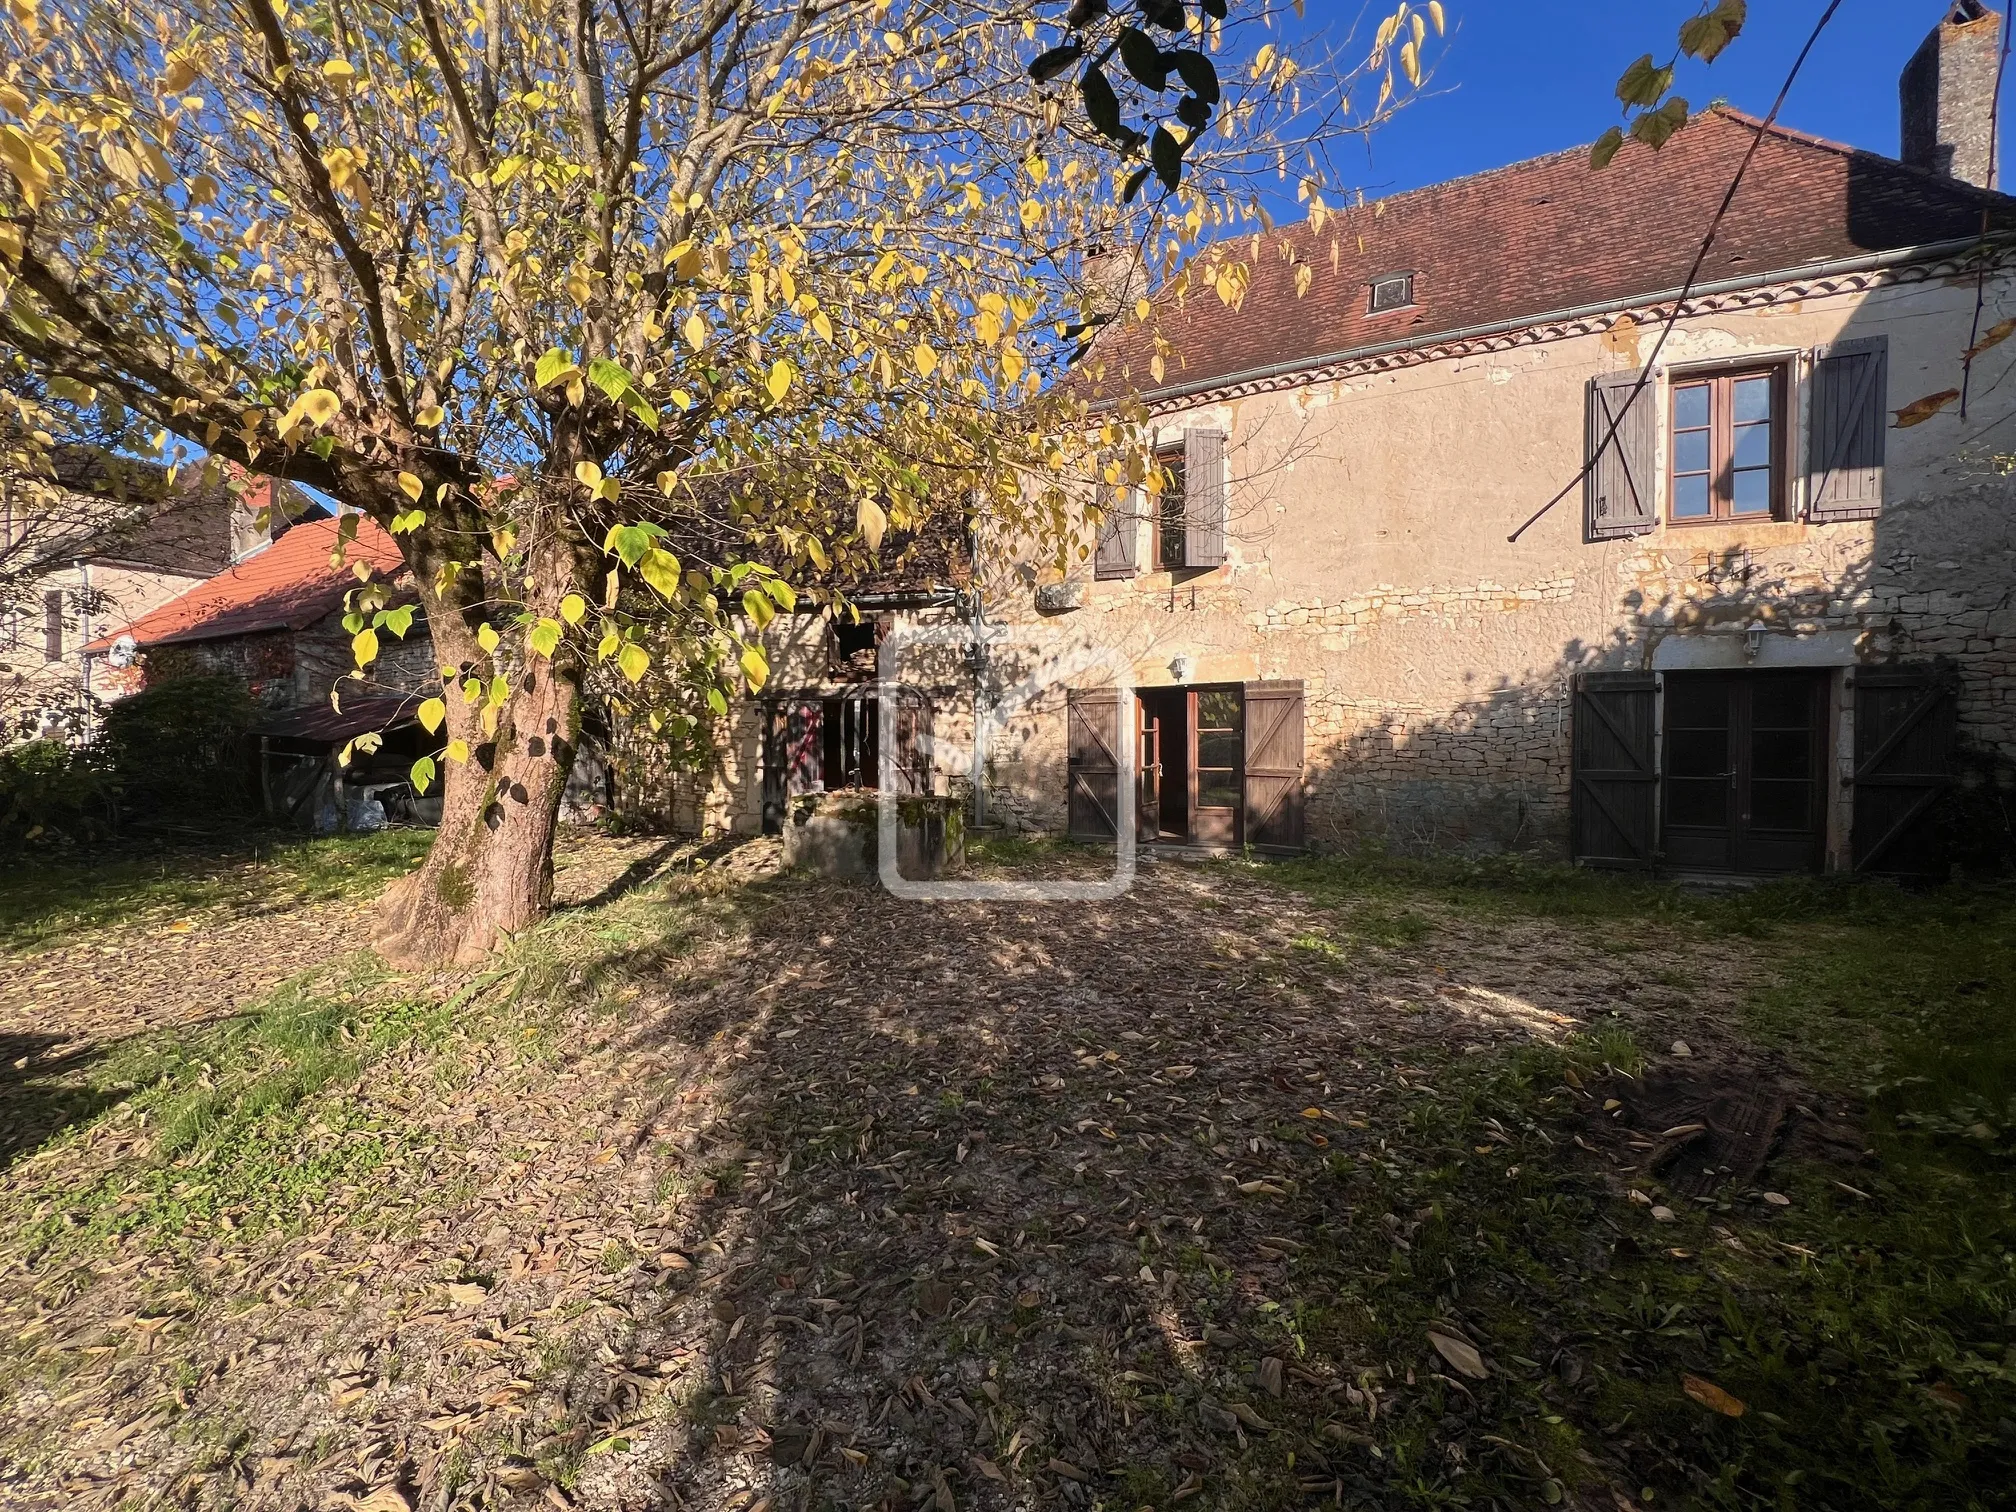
x=1549, y=234
x=286, y=586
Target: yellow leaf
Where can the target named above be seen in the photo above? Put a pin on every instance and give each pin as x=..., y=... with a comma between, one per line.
x=338, y=69
x=871, y=522
x=780, y=380
x=458, y=750
x=364, y=646
x=634, y=661
x=1711, y=1396
x=589, y=475
x=431, y=713
x=695, y=331
x=486, y=637
x=411, y=486
x=572, y=608
x=925, y=358
x=430, y=417
x=660, y=569
x=319, y=405
x=822, y=326
x=754, y=667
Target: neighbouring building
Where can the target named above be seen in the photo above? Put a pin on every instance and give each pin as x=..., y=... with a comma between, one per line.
x=88, y=552
x=274, y=619
x=1772, y=604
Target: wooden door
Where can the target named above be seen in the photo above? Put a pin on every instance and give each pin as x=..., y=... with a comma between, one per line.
x=1615, y=788
x=1905, y=721
x=1217, y=765
x=1148, y=736
x=1273, y=765
x=1092, y=763
x=1744, y=760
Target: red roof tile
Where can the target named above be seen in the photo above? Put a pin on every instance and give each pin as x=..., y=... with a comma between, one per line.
x=286, y=586
x=1549, y=234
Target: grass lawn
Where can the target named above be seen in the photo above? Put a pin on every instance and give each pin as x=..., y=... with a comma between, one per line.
x=1263, y=1187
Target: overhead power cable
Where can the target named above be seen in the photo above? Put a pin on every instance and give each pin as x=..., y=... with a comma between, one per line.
x=1693, y=275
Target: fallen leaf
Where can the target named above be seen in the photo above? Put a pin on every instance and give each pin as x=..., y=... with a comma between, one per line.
x=1066, y=1469
x=1918, y=411
x=384, y=1499
x=1947, y=1396
x=1462, y=1357
x=1269, y=1376
x=1250, y=1418
x=1682, y=1048
x=1709, y=1395
x=934, y=1299
x=1995, y=335
x=1777, y=1199
x=466, y=1294
x=1662, y=1215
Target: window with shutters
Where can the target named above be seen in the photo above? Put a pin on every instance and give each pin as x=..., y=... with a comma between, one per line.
x=1727, y=456
x=1169, y=516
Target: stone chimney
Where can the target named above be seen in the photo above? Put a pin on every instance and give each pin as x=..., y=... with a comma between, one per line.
x=1947, y=92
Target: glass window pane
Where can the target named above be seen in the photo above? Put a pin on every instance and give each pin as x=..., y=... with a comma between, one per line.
x=1690, y=452
x=1753, y=399
x=1781, y=703
x=1781, y=753
x=1171, y=531
x=1697, y=753
x=1690, y=497
x=1753, y=445
x=1690, y=406
x=1781, y=805
x=1702, y=802
x=1752, y=492
x=1218, y=709
x=1217, y=790
x=1696, y=703
x=1217, y=748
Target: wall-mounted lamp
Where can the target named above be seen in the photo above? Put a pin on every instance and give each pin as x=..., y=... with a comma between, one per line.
x=1753, y=642
x=1183, y=668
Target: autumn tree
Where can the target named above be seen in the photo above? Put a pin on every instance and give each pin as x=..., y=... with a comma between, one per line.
x=621, y=315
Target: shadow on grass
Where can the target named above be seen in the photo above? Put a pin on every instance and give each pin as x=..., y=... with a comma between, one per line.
x=39, y=1097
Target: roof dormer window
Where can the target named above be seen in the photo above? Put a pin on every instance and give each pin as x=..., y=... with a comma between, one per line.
x=1394, y=291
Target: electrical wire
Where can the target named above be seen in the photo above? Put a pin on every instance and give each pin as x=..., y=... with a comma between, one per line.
x=1693, y=275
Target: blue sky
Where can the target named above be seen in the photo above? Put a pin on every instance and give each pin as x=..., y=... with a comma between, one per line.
x=1525, y=77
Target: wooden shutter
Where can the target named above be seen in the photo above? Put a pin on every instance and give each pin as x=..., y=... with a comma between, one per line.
x=52, y=624
x=1118, y=533
x=1092, y=768
x=1905, y=721
x=1613, y=806
x=913, y=745
x=793, y=747
x=1844, y=440
x=1274, y=758
x=1203, y=498
x=1622, y=486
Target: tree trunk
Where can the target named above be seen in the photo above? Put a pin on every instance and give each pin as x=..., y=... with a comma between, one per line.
x=489, y=873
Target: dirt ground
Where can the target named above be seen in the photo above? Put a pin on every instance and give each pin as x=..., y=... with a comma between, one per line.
x=795, y=1194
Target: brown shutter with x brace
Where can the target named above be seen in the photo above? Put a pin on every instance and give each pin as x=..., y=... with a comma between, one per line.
x=1622, y=484
x=1614, y=797
x=1844, y=447
x=1203, y=498
x=1118, y=531
x=1905, y=719
x=1273, y=766
x=1092, y=768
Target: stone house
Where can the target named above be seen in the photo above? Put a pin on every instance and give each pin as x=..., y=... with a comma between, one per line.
x=274, y=619
x=1770, y=606
x=86, y=554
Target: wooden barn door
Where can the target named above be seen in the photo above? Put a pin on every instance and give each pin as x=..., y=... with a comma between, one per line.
x=1274, y=766
x=1613, y=805
x=1092, y=765
x=1904, y=731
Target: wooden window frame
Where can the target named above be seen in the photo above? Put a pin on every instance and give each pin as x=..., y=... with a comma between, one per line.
x=1721, y=380
x=1173, y=459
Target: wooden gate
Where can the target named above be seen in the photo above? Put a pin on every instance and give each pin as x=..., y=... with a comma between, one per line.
x=1274, y=766
x=1093, y=763
x=1613, y=810
x=1904, y=729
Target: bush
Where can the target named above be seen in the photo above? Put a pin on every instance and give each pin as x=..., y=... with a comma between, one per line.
x=50, y=792
x=179, y=748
